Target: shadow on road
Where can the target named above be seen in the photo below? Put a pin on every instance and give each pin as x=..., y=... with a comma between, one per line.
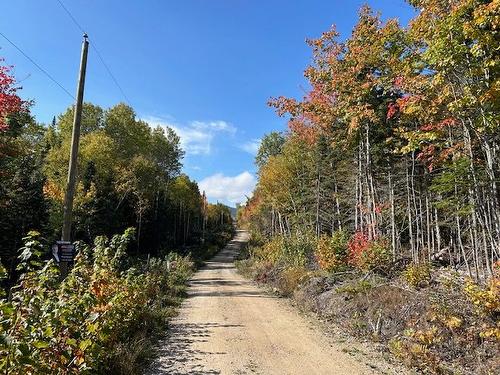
x=180, y=353
x=234, y=293
x=178, y=349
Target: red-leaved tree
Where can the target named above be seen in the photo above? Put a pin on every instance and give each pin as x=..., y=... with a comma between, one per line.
x=10, y=102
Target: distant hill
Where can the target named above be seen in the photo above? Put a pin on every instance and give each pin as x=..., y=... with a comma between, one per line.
x=233, y=211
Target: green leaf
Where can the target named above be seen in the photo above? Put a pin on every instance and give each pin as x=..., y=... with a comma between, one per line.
x=40, y=344
x=7, y=309
x=48, y=331
x=85, y=344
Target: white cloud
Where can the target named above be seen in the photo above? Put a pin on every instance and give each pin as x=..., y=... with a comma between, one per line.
x=252, y=147
x=194, y=141
x=227, y=189
x=221, y=126
x=196, y=137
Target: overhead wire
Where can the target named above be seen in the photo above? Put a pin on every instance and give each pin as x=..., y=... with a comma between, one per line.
x=71, y=16
x=109, y=72
x=94, y=47
x=47, y=74
x=50, y=77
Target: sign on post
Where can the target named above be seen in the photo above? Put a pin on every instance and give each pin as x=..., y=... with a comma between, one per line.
x=64, y=251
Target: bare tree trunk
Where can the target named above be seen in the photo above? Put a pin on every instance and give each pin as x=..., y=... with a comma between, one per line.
x=393, y=219
x=416, y=240
x=410, y=219
x=370, y=196
x=272, y=222
x=318, y=225
x=430, y=241
x=280, y=220
x=438, y=232
x=337, y=205
x=359, y=192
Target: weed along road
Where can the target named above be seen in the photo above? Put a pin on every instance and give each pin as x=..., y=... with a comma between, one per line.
x=228, y=325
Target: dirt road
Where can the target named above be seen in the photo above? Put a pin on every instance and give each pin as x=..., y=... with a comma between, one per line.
x=230, y=326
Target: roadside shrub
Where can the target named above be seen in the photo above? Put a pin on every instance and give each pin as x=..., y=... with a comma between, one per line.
x=331, y=251
x=271, y=251
x=486, y=299
x=298, y=250
x=292, y=251
x=290, y=279
x=351, y=289
x=256, y=239
x=414, y=349
x=366, y=254
x=95, y=321
x=264, y=272
x=455, y=332
x=418, y=275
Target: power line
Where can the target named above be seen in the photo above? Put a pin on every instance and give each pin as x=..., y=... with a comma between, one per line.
x=38, y=66
x=71, y=16
x=109, y=72
x=94, y=47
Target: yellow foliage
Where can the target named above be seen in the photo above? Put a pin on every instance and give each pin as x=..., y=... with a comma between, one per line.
x=291, y=278
x=453, y=322
x=491, y=332
x=396, y=347
x=272, y=250
x=331, y=251
x=425, y=337
x=83, y=196
x=53, y=191
x=487, y=299
x=418, y=275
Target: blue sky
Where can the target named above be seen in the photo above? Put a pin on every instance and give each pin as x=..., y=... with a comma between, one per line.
x=206, y=68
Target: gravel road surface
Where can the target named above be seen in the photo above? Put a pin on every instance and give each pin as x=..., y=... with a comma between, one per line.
x=228, y=325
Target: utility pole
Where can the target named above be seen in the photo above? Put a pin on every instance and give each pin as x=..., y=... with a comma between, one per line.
x=75, y=139
x=204, y=219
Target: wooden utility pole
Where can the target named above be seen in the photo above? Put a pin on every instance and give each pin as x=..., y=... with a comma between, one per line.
x=75, y=139
x=204, y=219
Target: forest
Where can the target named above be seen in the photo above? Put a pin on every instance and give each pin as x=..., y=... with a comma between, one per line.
x=376, y=210
x=140, y=225
x=129, y=176
x=389, y=170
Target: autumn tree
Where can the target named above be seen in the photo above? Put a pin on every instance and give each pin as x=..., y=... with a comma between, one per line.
x=22, y=204
x=400, y=128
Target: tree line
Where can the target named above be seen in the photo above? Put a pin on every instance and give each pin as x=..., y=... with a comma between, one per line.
x=139, y=223
x=396, y=141
x=129, y=175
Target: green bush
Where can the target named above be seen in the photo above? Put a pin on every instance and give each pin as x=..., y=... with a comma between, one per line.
x=297, y=251
x=271, y=251
x=292, y=251
x=86, y=323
